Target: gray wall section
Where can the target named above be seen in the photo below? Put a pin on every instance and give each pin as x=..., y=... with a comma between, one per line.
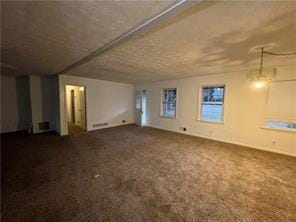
x=44, y=102
x=50, y=101
x=15, y=103
x=24, y=101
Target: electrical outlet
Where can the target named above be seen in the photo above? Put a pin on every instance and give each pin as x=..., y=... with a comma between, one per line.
x=123, y=121
x=183, y=129
x=211, y=132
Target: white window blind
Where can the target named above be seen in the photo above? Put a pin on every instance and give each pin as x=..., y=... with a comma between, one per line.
x=281, y=101
x=169, y=99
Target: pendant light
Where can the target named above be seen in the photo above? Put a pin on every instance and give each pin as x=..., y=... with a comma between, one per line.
x=259, y=77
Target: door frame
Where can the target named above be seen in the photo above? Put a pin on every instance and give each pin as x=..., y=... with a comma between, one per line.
x=141, y=93
x=65, y=106
x=144, y=109
x=72, y=106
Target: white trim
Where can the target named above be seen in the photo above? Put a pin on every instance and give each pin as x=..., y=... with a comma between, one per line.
x=65, y=107
x=265, y=109
x=199, y=104
x=225, y=141
x=169, y=117
x=209, y=121
x=288, y=130
x=161, y=102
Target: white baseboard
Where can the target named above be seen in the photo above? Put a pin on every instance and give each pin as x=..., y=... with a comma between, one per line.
x=225, y=141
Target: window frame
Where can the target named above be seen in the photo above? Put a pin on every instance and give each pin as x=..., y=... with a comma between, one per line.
x=138, y=93
x=292, y=130
x=161, y=102
x=199, y=105
x=264, y=126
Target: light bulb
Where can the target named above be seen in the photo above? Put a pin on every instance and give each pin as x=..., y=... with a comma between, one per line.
x=259, y=84
x=81, y=88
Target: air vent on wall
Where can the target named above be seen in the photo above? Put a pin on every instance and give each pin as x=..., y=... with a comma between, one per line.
x=44, y=126
x=100, y=124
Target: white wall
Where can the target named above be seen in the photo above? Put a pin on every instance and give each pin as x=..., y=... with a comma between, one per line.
x=243, y=111
x=106, y=101
x=15, y=103
x=36, y=99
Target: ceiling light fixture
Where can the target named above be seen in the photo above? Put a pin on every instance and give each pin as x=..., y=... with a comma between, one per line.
x=261, y=76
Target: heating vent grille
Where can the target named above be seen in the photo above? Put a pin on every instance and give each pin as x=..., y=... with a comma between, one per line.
x=100, y=124
x=44, y=126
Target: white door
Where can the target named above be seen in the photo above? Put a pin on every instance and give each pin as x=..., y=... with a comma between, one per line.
x=139, y=111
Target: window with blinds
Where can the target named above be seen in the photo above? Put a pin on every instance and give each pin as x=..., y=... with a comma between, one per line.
x=211, y=104
x=281, y=105
x=169, y=99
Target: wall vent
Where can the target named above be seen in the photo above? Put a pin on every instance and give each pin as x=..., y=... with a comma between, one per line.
x=44, y=126
x=100, y=124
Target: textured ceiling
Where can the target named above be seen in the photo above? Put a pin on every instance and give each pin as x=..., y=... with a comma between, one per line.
x=210, y=38
x=44, y=37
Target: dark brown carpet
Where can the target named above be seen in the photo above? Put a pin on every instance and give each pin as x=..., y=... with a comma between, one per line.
x=142, y=174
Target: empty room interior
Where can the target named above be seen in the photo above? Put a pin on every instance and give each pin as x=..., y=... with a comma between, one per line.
x=148, y=111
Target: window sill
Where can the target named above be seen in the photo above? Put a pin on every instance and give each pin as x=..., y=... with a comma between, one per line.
x=279, y=129
x=169, y=117
x=209, y=121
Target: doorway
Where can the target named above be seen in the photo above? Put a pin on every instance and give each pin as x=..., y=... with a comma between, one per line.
x=141, y=108
x=76, y=109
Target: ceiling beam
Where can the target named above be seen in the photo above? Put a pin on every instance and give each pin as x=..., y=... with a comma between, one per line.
x=175, y=8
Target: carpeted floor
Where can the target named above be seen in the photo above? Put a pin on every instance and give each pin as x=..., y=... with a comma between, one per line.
x=74, y=129
x=142, y=174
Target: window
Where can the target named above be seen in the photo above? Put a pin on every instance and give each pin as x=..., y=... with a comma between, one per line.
x=281, y=125
x=169, y=97
x=138, y=102
x=211, y=107
x=281, y=106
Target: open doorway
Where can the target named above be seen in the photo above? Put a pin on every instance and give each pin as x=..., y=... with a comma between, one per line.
x=75, y=103
x=141, y=108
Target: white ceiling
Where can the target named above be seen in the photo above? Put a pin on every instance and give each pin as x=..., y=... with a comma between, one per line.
x=42, y=38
